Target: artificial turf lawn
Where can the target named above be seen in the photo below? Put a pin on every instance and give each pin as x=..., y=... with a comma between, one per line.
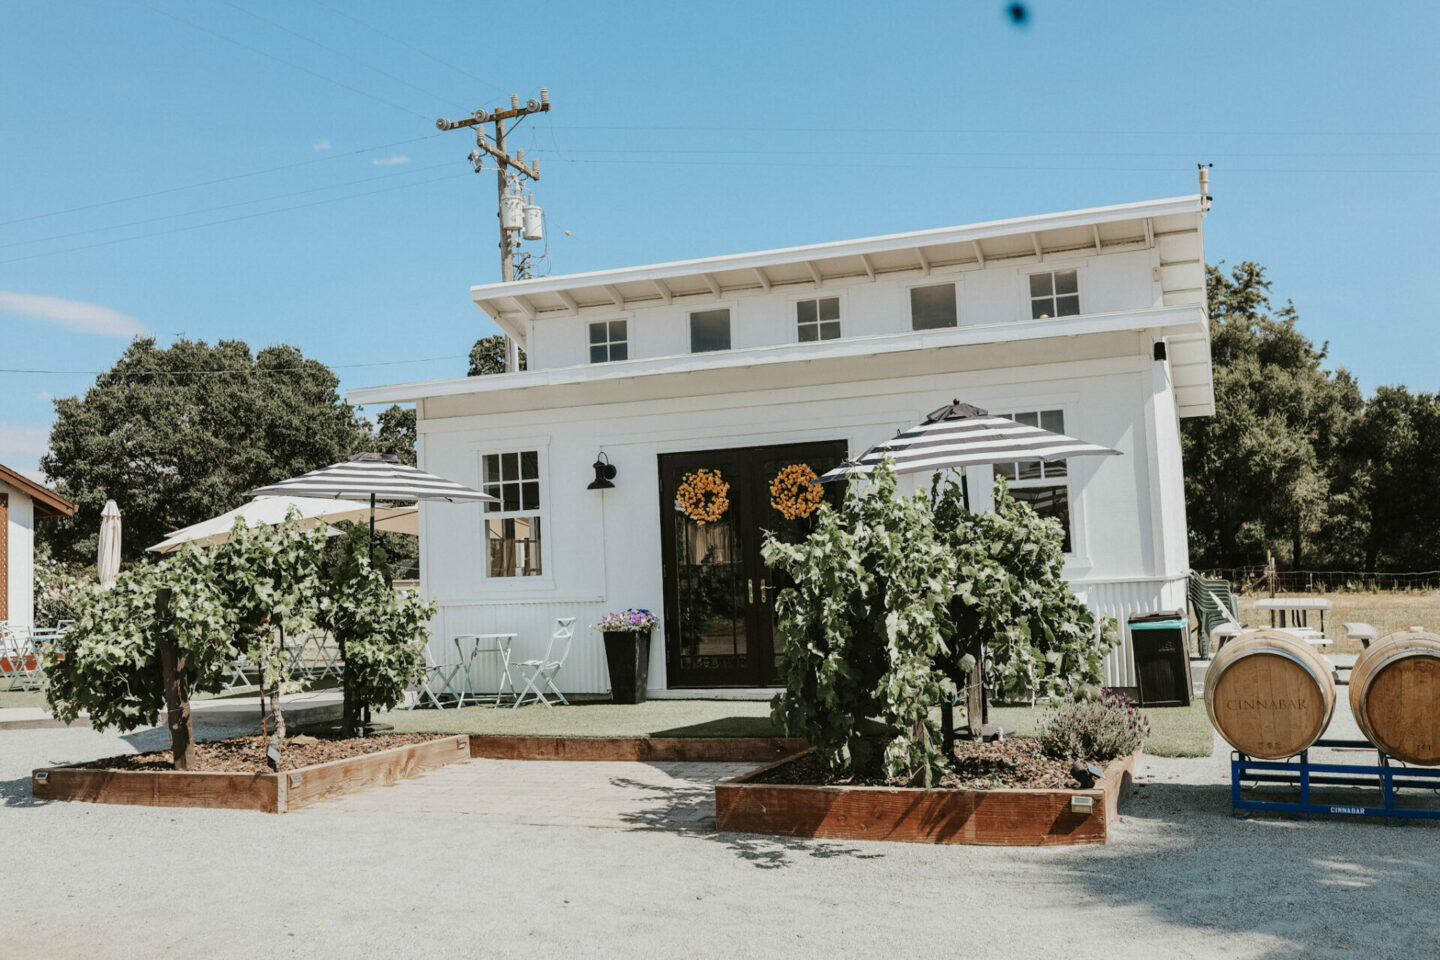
x=1175, y=731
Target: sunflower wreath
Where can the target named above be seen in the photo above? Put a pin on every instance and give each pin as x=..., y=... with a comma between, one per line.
x=703, y=496
x=796, y=492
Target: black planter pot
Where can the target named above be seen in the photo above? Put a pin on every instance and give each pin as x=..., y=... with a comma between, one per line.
x=627, y=653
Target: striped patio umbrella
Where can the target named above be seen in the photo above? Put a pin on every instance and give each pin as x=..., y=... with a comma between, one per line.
x=961, y=435
x=376, y=477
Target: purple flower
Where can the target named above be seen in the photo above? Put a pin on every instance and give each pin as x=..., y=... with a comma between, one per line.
x=629, y=621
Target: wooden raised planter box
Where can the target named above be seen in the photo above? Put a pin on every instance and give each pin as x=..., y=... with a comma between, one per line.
x=266, y=792
x=642, y=749
x=1006, y=816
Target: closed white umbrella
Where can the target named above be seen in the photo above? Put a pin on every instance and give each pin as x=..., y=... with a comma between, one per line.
x=269, y=511
x=108, y=560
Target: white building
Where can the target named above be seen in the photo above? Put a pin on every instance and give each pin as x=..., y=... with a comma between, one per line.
x=1091, y=321
x=22, y=500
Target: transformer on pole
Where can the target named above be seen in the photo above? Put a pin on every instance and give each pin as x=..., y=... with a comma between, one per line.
x=519, y=216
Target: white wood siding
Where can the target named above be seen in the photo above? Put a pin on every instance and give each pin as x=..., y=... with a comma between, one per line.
x=1110, y=282
x=602, y=549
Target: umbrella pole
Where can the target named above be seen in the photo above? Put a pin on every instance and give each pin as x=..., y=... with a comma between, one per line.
x=965, y=489
x=372, y=528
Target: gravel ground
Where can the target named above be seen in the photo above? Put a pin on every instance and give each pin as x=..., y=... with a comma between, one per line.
x=1180, y=878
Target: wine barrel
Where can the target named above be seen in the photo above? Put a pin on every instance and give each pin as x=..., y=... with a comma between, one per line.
x=1269, y=694
x=1395, y=696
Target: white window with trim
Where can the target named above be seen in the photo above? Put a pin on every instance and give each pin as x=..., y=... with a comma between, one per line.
x=1055, y=293
x=512, y=526
x=818, y=319
x=933, y=307
x=1044, y=486
x=609, y=340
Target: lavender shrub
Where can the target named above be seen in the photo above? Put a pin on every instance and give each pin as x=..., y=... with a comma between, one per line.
x=1101, y=729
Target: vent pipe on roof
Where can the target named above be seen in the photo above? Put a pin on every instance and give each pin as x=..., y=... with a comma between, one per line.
x=1205, y=197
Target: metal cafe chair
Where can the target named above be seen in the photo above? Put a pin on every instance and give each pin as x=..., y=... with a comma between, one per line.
x=540, y=674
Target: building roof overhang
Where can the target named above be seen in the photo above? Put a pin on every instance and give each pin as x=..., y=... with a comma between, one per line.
x=512, y=305
x=47, y=502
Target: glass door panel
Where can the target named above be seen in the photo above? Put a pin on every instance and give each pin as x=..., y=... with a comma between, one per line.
x=719, y=596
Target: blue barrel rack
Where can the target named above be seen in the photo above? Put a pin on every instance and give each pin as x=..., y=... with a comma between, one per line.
x=1388, y=776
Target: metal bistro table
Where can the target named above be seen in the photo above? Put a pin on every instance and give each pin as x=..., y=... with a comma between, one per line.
x=480, y=644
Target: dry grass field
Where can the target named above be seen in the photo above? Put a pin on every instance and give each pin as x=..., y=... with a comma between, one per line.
x=1387, y=612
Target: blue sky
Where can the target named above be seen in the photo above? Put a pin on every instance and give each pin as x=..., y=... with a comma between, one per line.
x=271, y=171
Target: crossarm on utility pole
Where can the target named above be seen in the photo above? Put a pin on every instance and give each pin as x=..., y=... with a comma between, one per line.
x=505, y=164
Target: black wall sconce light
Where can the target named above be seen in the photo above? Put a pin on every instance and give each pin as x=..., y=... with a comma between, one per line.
x=604, y=474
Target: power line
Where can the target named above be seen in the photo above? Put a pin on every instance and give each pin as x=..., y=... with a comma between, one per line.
x=270, y=56
x=409, y=46
x=226, y=179
x=1049, y=131
x=339, y=53
x=1008, y=167
x=1015, y=153
x=223, y=206
x=214, y=223
x=207, y=373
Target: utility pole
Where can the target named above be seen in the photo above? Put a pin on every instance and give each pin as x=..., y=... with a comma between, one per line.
x=508, y=172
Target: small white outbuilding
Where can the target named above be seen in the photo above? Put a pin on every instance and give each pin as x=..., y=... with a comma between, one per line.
x=1088, y=322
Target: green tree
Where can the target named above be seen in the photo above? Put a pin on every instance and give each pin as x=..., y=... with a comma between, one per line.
x=177, y=434
x=395, y=433
x=269, y=580
x=1012, y=602
x=488, y=356
x=108, y=663
x=1263, y=472
x=895, y=599
x=859, y=630
x=382, y=634
x=1394, y=446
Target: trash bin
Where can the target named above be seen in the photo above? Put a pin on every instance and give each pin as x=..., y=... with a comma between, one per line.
x=1160, y=643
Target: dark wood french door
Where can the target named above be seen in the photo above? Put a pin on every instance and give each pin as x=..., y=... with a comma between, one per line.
x=719, y=595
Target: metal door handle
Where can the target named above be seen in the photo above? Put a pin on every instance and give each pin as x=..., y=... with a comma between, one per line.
x=750, y=590
x=762, y=591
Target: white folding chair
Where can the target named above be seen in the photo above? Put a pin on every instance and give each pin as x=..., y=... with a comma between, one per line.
x=539, y=675
x=328, y=653
x=19, y=658
x=437, y=681
x=237, y=679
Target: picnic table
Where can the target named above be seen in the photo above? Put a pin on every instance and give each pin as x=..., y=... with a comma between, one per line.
x=1294, y=612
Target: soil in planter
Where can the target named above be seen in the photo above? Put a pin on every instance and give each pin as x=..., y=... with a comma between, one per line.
x=247, y=754
x=977, y=766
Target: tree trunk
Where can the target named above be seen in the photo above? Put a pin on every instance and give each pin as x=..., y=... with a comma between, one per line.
x=975, y=692
x=348, y=725
x=947, y=729
x=177, y=705
x=277, y=739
